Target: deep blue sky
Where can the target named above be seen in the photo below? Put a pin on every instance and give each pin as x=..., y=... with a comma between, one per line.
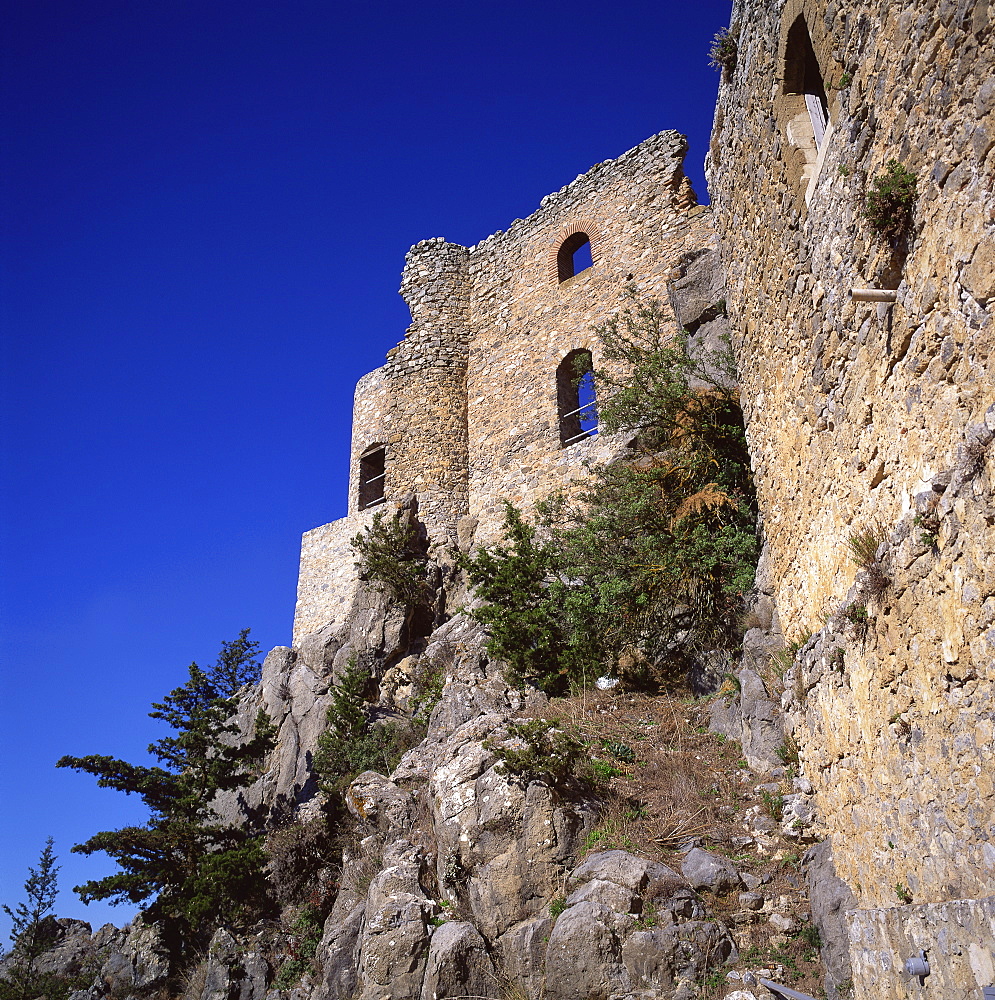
x=205, y=212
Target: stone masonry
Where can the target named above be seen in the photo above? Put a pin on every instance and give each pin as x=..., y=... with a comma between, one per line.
x=876, y=419
x=466, y=405
x=869, y=397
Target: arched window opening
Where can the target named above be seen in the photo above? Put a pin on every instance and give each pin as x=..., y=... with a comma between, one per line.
x=574, y=256
x=576, y=398
x=802, y=75
x=372, y=473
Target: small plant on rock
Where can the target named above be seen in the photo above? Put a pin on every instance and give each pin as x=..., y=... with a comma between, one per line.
x=929, y=524
x=856, y=615
x=543, y=753
x=889, y=205
x=903, y=893
x=723, y=52
x=774, y=805
x=864, y=547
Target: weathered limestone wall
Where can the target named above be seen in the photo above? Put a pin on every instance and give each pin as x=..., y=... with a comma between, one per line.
x=863, y=417
x=466, y=405
x=415, y=404
x=327, y=581
x=643, y=220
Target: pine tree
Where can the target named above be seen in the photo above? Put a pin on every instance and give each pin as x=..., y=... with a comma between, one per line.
x=199, y=871
x=31, y=932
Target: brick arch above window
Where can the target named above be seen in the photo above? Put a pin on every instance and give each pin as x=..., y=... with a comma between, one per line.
x=586, y=226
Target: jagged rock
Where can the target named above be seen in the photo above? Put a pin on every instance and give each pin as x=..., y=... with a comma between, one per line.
x=797, y=817
x=751, y=900
x=71, y=951
x=378, y=802
x=339, y=950
x=782, y=923
x=615, y=897
x=584, y=957
x=458, y=963
x=119, y=960
x=707, y=871
x=521, y=953
x=667, y=955
x=751, y=716
x=623, y=869
x=830, y=898
x=395, y=936
x=235, y=969
x=220, y=977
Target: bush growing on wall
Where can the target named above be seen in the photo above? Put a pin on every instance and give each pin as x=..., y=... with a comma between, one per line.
x=650, y=559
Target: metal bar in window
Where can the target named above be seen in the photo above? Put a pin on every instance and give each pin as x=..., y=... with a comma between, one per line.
x=373, y=503
x=373, y=479
x=579, y=408
x=583, y=434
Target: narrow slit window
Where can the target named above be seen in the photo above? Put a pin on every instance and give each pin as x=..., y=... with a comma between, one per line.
x=803, y=76
x=576, y=398
x=574, y=256
x=372, y=474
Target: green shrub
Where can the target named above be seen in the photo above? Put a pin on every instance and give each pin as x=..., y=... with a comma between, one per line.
x=544, y=753
x=350, y=743
x=889, y=205
x=302, y=943
x=649, y=559
x=394, y=556
x=723, y=51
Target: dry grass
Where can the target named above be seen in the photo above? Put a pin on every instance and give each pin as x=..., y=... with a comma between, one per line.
x=684, y=786
x=682, y=783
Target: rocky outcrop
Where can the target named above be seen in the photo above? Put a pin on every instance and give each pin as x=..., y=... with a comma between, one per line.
x=129, y=961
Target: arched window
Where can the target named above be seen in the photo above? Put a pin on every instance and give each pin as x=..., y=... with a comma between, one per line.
x=802, y=76
x=573, y=256
x=575, y=397
x=372, y=473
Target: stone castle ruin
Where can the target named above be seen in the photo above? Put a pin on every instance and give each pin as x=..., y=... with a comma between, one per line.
x=477, y=404
x=869, y=398
x=865, y=353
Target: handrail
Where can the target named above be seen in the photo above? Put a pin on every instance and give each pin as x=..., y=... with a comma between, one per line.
x=783, y=991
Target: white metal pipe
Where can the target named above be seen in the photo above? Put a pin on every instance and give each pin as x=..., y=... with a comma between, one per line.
x=874, y=294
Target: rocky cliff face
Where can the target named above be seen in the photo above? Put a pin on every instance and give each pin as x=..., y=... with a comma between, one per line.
x=459, y=880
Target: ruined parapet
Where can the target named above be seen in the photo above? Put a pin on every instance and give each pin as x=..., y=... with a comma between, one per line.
x=471, y=408
x=408, y=435
x=871, y=422
x=642, y=222
x=414, y=407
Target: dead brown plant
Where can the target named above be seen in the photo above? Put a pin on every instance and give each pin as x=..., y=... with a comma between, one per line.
x=681, y=783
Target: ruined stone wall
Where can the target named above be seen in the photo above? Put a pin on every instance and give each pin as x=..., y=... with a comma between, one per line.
x=865, y=417
x=466, y=405
x=415, y=408
x=643, y=221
